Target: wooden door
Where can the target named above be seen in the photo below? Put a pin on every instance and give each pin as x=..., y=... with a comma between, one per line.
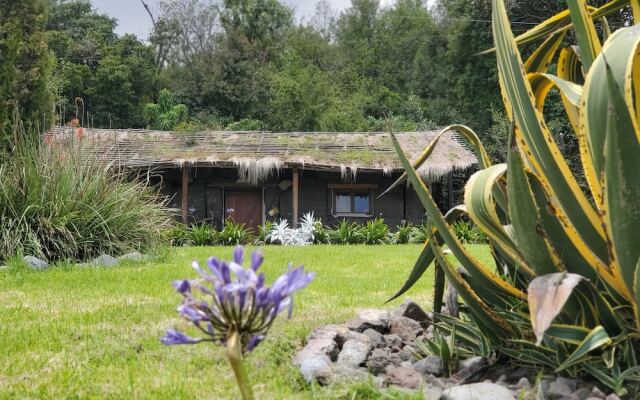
x=244, y=207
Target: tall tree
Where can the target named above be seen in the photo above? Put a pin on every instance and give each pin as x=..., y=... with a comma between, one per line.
x=25, y=64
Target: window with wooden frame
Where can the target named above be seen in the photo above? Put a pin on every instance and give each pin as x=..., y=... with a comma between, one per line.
x=352, y=200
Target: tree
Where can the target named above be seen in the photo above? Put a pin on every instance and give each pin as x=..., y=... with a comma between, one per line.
x=25, y=65
x=113, y=76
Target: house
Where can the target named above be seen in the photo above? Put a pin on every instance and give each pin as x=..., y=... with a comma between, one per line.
x=252, y=177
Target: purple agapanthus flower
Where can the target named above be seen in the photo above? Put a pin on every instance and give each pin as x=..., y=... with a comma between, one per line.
x=228, y=298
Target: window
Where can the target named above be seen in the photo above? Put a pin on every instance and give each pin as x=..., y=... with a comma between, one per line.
x=354, y=200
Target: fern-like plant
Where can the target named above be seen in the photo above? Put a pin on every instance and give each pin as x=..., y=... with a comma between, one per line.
x=567, y=298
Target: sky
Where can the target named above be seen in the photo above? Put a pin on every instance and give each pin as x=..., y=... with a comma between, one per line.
x=132, y=17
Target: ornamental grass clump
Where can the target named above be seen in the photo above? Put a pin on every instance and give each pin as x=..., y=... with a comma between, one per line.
x=231, y=306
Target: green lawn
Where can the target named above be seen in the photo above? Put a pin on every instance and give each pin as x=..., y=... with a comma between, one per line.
x=93, y=333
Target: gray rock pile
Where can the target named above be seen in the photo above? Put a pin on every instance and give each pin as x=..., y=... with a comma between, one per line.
x=104, y=260
x=379, y=346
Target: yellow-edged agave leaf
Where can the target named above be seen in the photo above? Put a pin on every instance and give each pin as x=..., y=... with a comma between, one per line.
x=491, y=324
x=568, y=333
x=570, y=94
x=621, y=211
x=426, y=255
x=569, y=67
x=562, y=22
x=481, y=205
x=635, y=8
x=585, y=30
x=597, y=338
x=619, y=53
x=606, y=29
x=481, y=154
x=525, y=217
x=582, y=222
x=547, y=296
x=493, y=288
x=541, y=58
x=584, y=264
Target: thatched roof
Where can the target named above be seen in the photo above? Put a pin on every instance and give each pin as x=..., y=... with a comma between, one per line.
x=257, y=154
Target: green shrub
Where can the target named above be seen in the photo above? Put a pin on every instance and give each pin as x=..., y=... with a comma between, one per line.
x=402, y=235
x=54, y=205
x=321, y=233
x=374, y=232
x=419, y=234
x=203, y=235
x=346, y=233
x=263, y=231
x=469, y=233
x=234, y=233
x=177, y=235
x=246, y=124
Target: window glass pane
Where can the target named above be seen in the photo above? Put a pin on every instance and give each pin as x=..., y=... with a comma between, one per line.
x=343, y=202
x=361, y=203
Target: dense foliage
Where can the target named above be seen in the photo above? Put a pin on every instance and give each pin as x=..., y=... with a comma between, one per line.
x=55, y=205
x=250, y=65
x=566, y=297
x=25, y=67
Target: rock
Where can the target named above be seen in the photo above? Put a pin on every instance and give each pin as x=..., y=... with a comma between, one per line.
x=478, y=391
x=133, y=256
x=559, y=389
x=434, y=381
x=410, y=309
x=580, y=394
x=404, y=327
x=378, y=361
x=431, y=392
x=332, y=332
x=502, y=380
x=596, y=392
x=393, y=341
x=358, y=337
x=405, y=377
x=429, y=365
x=344, y=374
x=370, y=319
x=523, y=383
x=612, y=396
x=36, y=263
x=104, y=260
x=572, y=384
x=354, y=353
x=399, y=357
x=319, y=347
x=317, y=368
x=377, y=339
x=469, y=367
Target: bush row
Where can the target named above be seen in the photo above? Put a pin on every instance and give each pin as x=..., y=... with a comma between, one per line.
x=346, y=232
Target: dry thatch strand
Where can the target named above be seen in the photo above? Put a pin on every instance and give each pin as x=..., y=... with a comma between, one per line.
x=258, y=155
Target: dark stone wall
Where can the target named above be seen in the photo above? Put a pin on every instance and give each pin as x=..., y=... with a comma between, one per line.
x=207, y=185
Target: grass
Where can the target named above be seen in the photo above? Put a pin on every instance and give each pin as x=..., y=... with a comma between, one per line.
x=78, y=333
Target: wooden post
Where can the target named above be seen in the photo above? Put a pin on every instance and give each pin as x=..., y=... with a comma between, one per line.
x=438, y=292
x=296, y=184
x=450, y=189
x=185, y=193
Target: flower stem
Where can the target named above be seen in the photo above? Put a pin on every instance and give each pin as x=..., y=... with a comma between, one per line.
x=234, y=354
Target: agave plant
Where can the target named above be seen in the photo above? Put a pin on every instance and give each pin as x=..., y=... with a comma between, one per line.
x=564, y=292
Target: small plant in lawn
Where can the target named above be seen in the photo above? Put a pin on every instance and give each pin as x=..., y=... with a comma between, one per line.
x=346, y=233
x=402, y=235
x=263, y=232
x=234, y=233
x=375, y=232
x=203, y=235
x=177, y=235
x=231, y=306
x=469, y=233
x=419, y=234
x=281, y=233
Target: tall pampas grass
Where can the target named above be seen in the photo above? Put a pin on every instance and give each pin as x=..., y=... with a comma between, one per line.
x=54, y=204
